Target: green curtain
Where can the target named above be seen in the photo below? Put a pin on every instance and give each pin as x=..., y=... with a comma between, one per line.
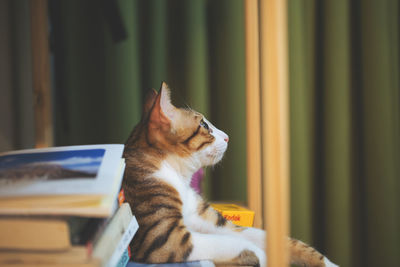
x=344, y=88
x=107, y=54
x=16, y=117
x=344, y=101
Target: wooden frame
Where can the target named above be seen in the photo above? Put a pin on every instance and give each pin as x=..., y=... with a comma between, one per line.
x=268, y=50
x=253, y=116
x=41, y=74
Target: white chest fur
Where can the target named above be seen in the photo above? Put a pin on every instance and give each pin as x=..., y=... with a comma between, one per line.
x=182, y=184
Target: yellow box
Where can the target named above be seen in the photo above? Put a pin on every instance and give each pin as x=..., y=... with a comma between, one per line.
x=237, y=214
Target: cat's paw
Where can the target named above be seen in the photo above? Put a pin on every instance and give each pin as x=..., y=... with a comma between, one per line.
x=248, y=258
x=328, y=263
x=245, y=258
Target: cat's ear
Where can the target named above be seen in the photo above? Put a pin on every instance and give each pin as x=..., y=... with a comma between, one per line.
x=163, y=111
x=165, y=101
x=149, y=102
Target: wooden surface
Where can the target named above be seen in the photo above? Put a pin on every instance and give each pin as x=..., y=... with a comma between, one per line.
x=253, y=128
x=41, y=74
x=275, y=123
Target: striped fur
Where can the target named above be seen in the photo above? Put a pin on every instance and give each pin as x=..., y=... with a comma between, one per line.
x=175, y=223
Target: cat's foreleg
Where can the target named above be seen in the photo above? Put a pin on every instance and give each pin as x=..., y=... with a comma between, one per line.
x=255, y=235
x=213, y=222
x=225, y=249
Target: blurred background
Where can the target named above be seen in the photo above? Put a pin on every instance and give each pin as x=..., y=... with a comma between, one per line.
x=344, y=99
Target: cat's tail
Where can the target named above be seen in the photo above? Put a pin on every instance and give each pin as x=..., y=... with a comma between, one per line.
x=305, y=255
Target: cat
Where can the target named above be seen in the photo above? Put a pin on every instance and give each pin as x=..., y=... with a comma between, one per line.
x=167, y=146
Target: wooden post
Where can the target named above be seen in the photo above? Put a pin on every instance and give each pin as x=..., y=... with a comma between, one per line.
x=275, y=127
x=253, y=128
x=41, y=74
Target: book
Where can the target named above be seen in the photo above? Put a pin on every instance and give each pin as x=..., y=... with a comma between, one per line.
x=71, y=180
x=107, y=247
x=49, y=233
x=118, y=235
x=73, y=256
x=34, y=233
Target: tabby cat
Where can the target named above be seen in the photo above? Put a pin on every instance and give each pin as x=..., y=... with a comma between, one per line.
x=175, y=223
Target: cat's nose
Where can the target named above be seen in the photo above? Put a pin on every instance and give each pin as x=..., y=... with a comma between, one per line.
x=226, y=139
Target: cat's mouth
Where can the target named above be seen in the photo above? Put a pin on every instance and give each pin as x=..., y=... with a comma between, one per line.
x=217, y=153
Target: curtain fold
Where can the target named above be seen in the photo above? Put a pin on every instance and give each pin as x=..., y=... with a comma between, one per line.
x=344, y=67
x=197, y=47
x=379, y=63
x=227, y=94
x=301, y=64
x=97, y=81
x=336, y=133
x=17, y=129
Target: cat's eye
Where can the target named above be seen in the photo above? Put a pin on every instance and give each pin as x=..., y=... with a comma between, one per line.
x=204, y=124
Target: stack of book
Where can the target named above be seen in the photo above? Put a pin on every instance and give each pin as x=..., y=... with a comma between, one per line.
x=59, y=207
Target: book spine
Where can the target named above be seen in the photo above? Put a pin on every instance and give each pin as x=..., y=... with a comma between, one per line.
x=123, y=261
x=123, y=243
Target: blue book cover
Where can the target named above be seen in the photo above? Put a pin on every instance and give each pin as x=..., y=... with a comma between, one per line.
x=123, y=261
x=204, y=263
